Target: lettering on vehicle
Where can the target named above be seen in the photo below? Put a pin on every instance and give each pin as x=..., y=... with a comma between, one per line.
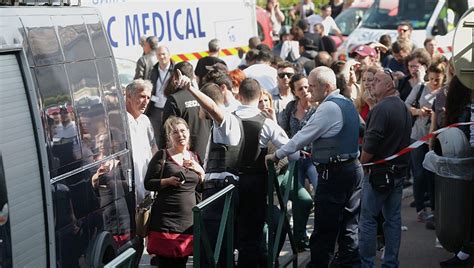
x=190, y=104
x=169, y=25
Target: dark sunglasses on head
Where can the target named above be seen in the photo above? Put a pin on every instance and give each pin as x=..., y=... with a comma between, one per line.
x=389, y=72
x=282, y=75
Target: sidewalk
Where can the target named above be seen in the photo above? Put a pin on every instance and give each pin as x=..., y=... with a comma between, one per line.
x=417, y=246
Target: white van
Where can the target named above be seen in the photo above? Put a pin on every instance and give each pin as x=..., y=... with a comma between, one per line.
x=185, y=27
x=429, y=18
x=62, y=116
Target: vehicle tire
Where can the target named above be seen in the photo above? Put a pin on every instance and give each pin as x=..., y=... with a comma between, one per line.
x=104, y=250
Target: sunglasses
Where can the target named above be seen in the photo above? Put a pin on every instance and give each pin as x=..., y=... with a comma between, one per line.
x=403, y=30
x=282, y=75
x=389, y=72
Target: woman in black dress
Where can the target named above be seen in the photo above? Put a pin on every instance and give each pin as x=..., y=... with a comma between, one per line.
x=170, y=235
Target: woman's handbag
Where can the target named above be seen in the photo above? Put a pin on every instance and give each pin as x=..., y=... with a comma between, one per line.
x=382, y=178
x=143, y=214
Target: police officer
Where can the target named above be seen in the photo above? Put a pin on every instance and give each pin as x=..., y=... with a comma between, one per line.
x=333, y=131
x=222, y=159
x=255, y=130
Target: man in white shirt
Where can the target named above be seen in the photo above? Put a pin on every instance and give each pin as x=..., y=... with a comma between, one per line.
x=262, y=71
x=335, y=149
x=141, y=132
x=248, y=123
x=160, y=78
x=142, y=138
x=326, y=20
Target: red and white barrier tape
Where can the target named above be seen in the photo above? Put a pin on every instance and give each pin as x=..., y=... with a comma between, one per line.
x=417, y=143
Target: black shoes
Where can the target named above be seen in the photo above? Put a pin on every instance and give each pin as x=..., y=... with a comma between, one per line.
x=456, y=262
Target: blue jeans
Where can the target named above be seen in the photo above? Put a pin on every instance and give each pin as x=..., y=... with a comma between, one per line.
x=306, y=168
x=390, y=204
x=422, y=178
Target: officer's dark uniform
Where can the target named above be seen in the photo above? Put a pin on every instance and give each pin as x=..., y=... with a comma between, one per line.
x=252, y=195
x=221, y=158
x=337, y=203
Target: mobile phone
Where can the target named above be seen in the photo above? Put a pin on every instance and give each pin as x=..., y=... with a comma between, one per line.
x=181, y=176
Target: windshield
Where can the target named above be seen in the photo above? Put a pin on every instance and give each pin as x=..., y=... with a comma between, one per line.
x=348, y=20
x=387, y=14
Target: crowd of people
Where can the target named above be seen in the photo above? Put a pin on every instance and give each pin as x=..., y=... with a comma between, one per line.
x=197, y=130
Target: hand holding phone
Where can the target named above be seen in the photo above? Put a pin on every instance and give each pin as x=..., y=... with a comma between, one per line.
x=181, y=176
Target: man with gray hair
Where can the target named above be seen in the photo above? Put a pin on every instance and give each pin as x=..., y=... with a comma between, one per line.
x=142, y=137
x=383, y=186
x=141, y=132
x=213, y=58
x=333, y=131
x=146, y=62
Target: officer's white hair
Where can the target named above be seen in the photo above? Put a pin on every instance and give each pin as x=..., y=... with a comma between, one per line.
x=325, y=76
x=137, y=86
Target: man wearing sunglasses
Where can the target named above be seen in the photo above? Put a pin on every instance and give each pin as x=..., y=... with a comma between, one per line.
x=404, y=30
x=281, y=94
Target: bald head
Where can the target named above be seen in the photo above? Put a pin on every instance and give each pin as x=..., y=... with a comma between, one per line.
x=383, y=85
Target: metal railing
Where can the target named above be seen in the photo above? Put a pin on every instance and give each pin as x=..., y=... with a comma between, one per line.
x=283, y=217
x=226, y=225
x=124, y=260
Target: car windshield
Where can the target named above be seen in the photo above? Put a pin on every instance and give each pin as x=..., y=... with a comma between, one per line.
x=348, y=20
x=387, y=14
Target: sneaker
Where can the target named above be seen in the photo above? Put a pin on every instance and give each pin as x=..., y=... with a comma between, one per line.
x=424, y=216
x=438, y=244
x=454, y=262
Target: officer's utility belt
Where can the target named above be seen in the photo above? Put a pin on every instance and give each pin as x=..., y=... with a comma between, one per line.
x=334, y=165
x=216, y=183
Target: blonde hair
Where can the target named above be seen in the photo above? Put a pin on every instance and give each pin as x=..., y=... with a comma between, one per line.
x=169, y=123
x=359, y=101
x=270, y=99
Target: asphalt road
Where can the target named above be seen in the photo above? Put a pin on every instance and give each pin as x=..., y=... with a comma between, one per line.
x=417, y=246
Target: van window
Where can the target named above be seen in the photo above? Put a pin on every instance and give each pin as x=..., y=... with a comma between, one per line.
x=348, y=20
x=90, y=108
x=73, y=37
x=387, y=14
x=112, y=99
x=43, y=41
x=97, y=36
x=60, y=118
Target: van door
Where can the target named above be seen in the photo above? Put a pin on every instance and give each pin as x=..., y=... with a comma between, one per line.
x=5, y=235
x=22, y=172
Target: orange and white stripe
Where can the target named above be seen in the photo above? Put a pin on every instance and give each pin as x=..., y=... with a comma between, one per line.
x=199, y=55
x=417, y=143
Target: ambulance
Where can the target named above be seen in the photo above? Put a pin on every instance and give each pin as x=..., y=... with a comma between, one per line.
x=185, y=27
x=429, y=18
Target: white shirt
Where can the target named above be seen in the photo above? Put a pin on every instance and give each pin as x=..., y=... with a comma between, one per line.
x=164, y=75
x=328, y=23
x=264, y=74
x=324, y=123
x=228, y=132
x=142, y=139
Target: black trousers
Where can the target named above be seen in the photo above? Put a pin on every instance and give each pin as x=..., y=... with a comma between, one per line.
x=336, y=217
x=252, y=204
x=212, y=216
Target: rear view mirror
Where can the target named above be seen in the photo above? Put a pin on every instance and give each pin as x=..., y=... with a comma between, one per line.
x=440, y=28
